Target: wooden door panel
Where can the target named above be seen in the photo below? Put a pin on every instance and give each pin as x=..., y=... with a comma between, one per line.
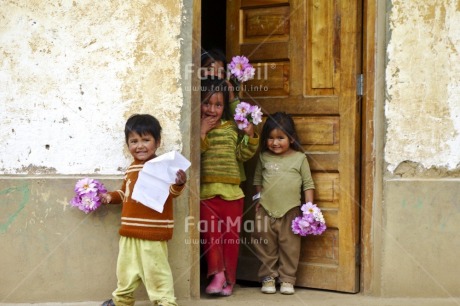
x=271, y=80
x=265, y=25
x=320, y=47
x=298, y=104
x=327, y=193
x=265, y=51
x=252, y=3
x=321, y=249
x=297, y=47
x=320, y=161
x=320, y=257
x=318, y=133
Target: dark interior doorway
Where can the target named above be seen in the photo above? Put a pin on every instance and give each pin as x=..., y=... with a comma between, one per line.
x=213, y=23
x=213, y=36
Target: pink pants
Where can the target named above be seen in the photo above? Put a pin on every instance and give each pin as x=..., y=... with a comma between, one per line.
x=220, y=226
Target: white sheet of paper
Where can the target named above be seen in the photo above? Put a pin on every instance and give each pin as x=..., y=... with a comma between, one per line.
x=155, y=178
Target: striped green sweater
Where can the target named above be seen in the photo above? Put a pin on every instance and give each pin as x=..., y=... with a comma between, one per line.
x=220, y=153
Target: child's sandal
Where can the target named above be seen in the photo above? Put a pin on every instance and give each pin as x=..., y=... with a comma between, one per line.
x=108, y=303
x=227, y=290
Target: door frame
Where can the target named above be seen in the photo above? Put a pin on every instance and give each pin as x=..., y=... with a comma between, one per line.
x=194, y=177
x=372, y=144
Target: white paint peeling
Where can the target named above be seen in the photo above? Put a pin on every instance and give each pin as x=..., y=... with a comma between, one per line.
x=71, y=72
x=422, y=107
x=161, y=95
x=453, y=89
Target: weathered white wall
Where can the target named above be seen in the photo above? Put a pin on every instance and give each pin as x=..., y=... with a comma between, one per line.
x=73, y=71
x=422, y=106
x=420, y=209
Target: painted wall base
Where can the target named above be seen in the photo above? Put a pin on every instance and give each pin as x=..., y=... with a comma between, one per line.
x=52, y=252
x=421, y=241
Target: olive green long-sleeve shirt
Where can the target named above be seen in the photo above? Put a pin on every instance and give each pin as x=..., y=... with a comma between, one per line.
x=283, y=178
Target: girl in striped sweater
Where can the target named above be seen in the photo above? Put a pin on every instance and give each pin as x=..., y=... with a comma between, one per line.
x=222, y=199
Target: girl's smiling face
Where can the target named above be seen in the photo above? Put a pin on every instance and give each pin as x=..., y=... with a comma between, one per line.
x=278, y=142
x=142, y=147
x=214, y=106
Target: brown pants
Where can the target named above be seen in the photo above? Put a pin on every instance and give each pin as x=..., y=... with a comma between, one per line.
x=277, y=247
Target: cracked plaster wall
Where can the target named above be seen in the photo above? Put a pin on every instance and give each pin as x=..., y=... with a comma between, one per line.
x=72, y=72
x=420, y=188
x=422, y=106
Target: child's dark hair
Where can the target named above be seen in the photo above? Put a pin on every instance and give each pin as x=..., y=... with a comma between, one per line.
x=210, y=86
x=285, y=123
x=143, y=124
x=213, y=55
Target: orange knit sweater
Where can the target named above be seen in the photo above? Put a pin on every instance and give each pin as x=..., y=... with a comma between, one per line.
x=138, y=220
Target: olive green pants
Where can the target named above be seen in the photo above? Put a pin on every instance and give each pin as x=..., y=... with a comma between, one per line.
x=143, y=261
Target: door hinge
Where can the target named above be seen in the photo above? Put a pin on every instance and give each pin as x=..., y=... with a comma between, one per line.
x=360, y=85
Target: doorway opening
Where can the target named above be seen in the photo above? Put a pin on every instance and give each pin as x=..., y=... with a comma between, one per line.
x=214, y=33
x=214, y=36
x=213, y=25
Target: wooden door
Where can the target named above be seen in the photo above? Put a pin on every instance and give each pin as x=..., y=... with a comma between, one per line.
x=307, y=56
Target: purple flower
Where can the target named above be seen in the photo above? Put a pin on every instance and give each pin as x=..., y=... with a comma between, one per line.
x=75, y=202
x=310, y=223
x=241, y=69
x=296, y=225
x=317, y=228
x=87, y=193
x=309, y=217
x=256, y=114
x=89, y=202
x=243, y=109
x=100, y=187
x=85, y=185
x=242, y=124
x=246, y=113
x=309, y=208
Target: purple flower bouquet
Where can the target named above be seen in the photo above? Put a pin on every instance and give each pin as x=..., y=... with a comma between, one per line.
x=246, y=113
x=311, y=222
x=240, y=68
x=240, y=71
x=87, y=193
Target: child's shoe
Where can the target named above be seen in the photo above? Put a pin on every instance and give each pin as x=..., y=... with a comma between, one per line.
x=217, y=284
x=227, y=291
x=287, y=288
x=268, y=285
x=108, y=303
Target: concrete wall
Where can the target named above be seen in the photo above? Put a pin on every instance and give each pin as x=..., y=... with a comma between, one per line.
x=53, y=252
x=71, y=73
x=421, y=206
x=421, y=238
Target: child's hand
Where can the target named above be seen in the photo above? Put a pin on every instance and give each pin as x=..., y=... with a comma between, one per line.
x=207, y=124
x=181, y=177
x=249, y=130
x=106, y=198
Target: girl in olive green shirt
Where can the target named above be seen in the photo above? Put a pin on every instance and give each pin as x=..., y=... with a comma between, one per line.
x=282, y=174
